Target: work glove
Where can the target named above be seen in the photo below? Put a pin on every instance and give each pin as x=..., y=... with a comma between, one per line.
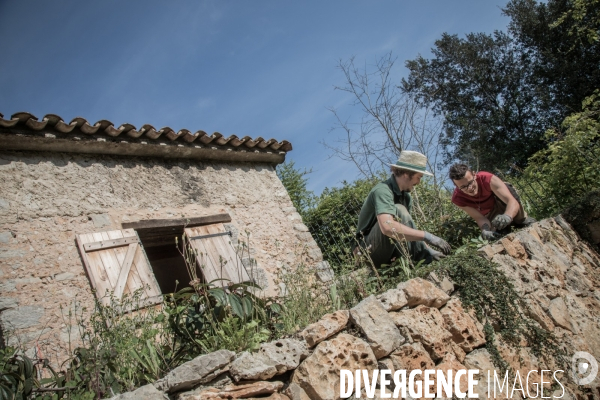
x=436, y=255
x=489, y=235
x=437, y=242
x=501, y=221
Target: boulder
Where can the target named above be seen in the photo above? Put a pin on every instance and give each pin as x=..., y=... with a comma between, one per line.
x=201, y=369
x=411, y=356
x=426, y=325
x=393, y=299
x=255, y=366
x=419, y=291
x=286, y=354
x=462, y=326
x=295, y=392
x=327, y=326
x=374, y=322
x=319, y=374
x=147, y=392
x=243, y=391
x=560, y=314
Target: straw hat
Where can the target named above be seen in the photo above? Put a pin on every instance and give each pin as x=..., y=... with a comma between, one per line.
x=412, y=161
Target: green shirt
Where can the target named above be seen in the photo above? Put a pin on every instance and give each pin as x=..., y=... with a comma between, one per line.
x=382, y=199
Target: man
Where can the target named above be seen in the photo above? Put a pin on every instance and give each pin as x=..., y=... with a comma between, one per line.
x=494, y=205
x=385, y=225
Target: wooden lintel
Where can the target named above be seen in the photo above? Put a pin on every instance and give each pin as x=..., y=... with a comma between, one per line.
x=177, y=223
x=110, y=243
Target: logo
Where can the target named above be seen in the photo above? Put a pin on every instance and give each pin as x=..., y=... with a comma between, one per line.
x=584, y=372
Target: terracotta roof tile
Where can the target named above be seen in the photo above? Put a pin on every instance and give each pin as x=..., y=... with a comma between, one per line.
x=105, y=127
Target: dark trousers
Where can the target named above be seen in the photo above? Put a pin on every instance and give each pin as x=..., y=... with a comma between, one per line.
x=500, y=207
x=382, y=249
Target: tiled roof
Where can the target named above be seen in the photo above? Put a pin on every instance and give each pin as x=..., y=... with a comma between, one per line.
x=51, y=122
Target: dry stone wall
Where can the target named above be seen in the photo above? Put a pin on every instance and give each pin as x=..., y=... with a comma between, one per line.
x=421, y=325
x=48, y=198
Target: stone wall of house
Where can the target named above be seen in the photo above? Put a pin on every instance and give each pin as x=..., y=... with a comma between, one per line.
x=48, y=198
x=422, y=325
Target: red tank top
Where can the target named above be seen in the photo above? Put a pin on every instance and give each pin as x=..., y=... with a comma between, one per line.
x=483, y=201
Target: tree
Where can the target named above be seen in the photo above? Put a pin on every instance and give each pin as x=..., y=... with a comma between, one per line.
x=482, y=87
x=569, y=168
x=390, y=121
x=295, y=182
x=561, y=37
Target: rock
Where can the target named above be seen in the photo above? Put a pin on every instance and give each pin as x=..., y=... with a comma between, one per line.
x=295, y=392
x=393, y=299
x=285, y=353
x=535, y=312
x=426, y=325
x=411, y=356
x=514, y=248
x=374, y=322
x=560, y=314
x=419, y=291
x=447, y=286
x=319, y=374
x=480, y=359
x=327, y=326
x=462, y=326
x=243, y=391
x=252, y=367
x=64, y=276
x=324, y=271
x=147, y=392
x=200, y=370
x=21, y=317
x=450, y=363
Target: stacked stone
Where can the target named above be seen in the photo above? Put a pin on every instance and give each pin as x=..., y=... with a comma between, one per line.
x=416, y=326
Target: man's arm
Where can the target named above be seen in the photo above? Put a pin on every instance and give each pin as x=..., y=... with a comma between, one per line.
x=398, y=231
x=394, y=229
x=499, y=188
x=482, y=221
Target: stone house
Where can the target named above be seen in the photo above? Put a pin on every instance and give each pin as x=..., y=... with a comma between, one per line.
x=93, y=208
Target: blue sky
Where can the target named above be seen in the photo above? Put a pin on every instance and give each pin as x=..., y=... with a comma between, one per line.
x=258, y=68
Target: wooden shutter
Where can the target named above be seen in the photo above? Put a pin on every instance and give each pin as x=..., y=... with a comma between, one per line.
x=116, y=262
x=216, y=256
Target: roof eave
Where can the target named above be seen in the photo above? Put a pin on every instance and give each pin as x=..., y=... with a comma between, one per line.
x=60, y=143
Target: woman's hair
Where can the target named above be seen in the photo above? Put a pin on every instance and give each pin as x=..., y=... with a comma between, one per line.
x=458, y=171
x=399, y=172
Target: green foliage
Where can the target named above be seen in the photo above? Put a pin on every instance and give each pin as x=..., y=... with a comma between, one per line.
x=481, y=85
x=564, y=62
x=485, y=289
x=295, y=182
x=581, y=213
x=334, y=220
x=569, y=168
x=17, y=376
x=583, y=21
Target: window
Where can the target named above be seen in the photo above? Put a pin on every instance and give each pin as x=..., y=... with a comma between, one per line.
x=144, y=256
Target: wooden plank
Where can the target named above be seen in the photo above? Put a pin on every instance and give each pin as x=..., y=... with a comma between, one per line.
x=178, y=222
x=125, y=268
x=217, y=248
x=109, y=244
x=233, y=264
x=204, y=261
x=143, y=272
x=131, y=283
x=100, y=278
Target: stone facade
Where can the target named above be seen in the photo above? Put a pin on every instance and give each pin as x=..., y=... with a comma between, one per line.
x=49, y=197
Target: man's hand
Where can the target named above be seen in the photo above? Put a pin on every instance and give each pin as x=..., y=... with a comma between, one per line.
x=437, y=242
x=501, y=221
x=436, y=255
x=489, y=235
